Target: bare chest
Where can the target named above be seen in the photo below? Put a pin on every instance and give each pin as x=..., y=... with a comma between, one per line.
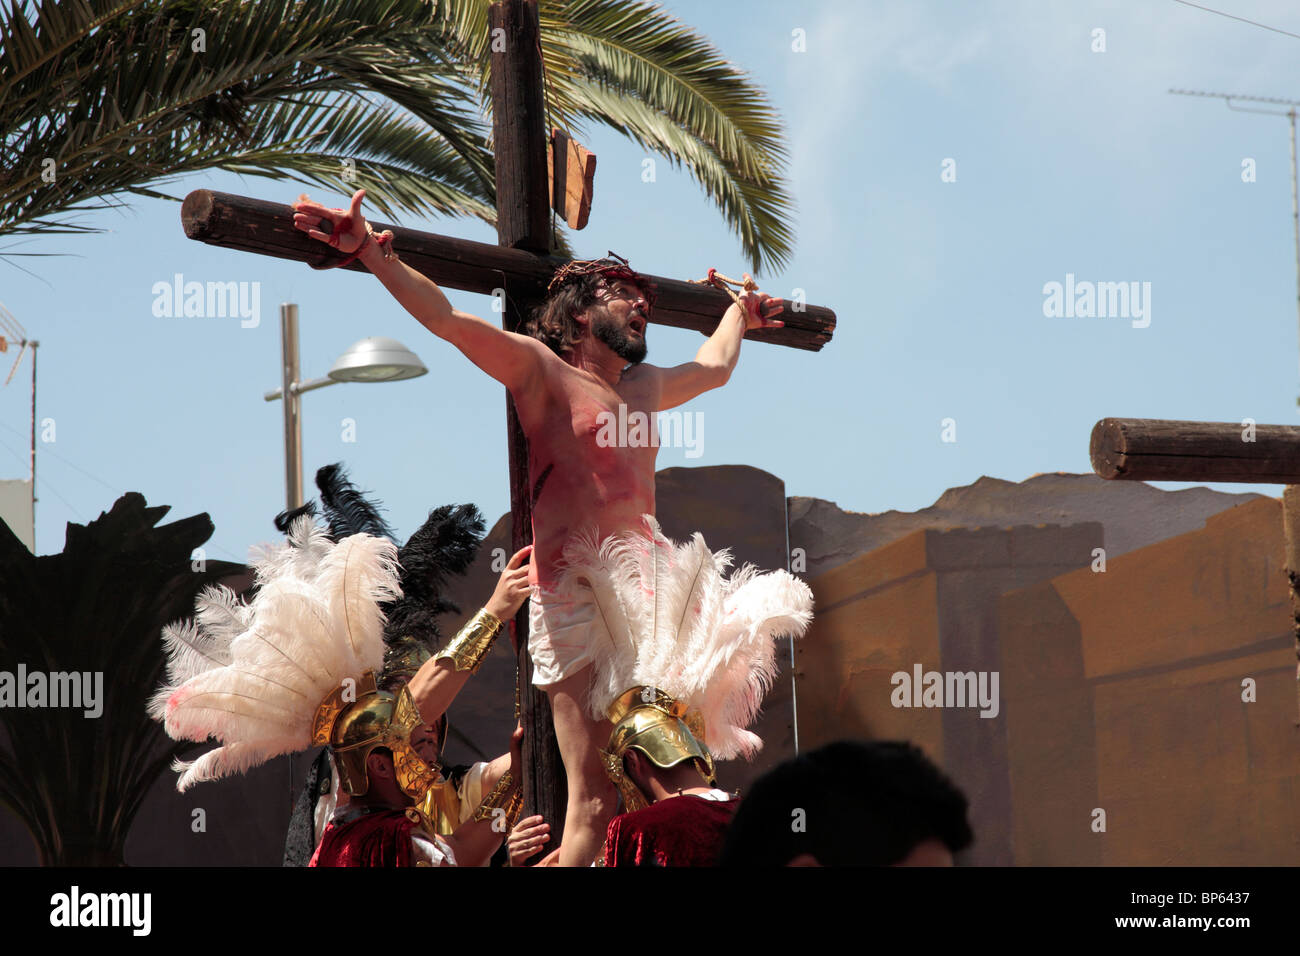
x=603, y=417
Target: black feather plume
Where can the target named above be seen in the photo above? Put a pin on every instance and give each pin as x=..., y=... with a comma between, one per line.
x=444, y=546
x=346, y=509
x=285, y=518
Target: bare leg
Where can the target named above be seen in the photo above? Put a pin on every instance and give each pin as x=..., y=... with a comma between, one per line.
x=592, y=797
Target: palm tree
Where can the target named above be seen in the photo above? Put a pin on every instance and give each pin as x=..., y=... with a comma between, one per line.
x=77, y=781
x=101, y=99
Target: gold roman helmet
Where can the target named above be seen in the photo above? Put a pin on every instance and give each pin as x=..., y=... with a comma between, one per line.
x=661, y=728
x=353, y=721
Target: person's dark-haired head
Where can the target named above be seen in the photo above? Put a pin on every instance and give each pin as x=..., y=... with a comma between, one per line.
x=850, y=803
x=603, y=298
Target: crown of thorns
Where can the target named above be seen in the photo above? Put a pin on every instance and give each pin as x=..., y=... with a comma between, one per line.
x=612, y=268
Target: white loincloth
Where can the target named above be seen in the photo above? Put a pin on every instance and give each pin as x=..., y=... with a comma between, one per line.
x=641, y=609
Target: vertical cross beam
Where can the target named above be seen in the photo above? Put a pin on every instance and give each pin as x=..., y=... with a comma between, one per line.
x=523, y=222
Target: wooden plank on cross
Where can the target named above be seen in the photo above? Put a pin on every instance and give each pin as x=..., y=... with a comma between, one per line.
x=1147, y=449
x=571, y=168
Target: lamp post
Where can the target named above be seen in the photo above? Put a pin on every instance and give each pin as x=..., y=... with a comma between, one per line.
x=376, y=359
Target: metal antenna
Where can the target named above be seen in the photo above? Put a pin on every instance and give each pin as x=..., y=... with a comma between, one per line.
x=1290, y=113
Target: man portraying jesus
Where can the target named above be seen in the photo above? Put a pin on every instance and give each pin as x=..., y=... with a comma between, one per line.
x=582, y=364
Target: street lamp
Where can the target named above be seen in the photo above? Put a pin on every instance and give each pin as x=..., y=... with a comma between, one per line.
x=376, y=359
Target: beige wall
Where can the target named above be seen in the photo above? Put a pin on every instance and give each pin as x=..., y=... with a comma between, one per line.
x=1125, y=694
x=929, y=599
x=1120, y=691
x=16, y=510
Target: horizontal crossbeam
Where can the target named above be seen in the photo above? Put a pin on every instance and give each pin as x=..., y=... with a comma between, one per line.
x=266, y=228
x=1147, y=449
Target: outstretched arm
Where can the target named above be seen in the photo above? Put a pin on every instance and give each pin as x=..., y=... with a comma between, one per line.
x=438, y=681
x=717, y=357
x=513, y=360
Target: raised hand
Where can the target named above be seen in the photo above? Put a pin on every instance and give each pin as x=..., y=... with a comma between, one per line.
x=343, y=230
x=512, y=586
x=761, y=310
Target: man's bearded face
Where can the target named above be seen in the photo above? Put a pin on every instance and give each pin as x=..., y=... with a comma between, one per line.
x=620, y=319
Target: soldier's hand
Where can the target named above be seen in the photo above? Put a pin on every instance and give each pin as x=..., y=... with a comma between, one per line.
x=343, y=230
x=526, y=839
x=516, y=751
x=512, y=586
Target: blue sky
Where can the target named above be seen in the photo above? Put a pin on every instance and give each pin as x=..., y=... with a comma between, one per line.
x=1067, y=161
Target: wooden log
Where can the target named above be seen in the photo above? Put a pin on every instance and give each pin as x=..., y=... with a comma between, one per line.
x=1144, y=449
x=266, y=228
x=523, y=222
x=1291, y=529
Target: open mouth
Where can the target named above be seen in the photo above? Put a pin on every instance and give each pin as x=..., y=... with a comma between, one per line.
x=638, y=324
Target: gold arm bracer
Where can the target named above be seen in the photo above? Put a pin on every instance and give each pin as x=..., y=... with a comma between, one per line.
x=496, y=799
x=514, y=808
x=472, y=642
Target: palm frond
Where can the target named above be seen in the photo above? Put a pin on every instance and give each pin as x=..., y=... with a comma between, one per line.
x=117, y=94
x=138, y=118
x=754, y=210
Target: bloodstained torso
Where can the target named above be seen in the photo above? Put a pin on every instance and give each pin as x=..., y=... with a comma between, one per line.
x=577, y=482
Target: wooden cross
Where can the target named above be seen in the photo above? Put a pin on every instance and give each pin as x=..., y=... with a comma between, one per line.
x=1144, y=449
x=519, y=267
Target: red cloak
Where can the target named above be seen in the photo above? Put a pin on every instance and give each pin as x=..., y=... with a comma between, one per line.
x=378, y=838
x=679, y=831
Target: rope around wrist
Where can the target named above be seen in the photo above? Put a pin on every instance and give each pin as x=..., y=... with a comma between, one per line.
x=383, y=239
x=725, y=283
x=719, y=281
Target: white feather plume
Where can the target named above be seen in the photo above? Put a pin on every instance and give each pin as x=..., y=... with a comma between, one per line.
x=676, y=621
x=250, y=676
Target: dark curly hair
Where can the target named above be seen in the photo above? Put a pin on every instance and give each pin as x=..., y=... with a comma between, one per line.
x=575, y=289
x=864, y=804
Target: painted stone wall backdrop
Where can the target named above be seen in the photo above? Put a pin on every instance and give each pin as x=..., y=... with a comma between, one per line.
x=928, y=600
x=1124, y=693
x=1133, y=513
